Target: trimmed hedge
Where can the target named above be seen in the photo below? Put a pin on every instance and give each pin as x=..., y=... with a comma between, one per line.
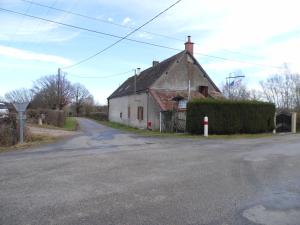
x=230, y=117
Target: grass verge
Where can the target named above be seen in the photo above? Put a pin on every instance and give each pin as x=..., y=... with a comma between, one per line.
x=71, y=124
x=151, y=133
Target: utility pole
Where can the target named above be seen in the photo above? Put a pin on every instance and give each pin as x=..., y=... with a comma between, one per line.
x=58, y=88
x=135, y=81
x=21, y=109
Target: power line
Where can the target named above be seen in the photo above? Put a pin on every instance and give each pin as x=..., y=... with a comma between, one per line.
x=121, y=25
x=81, y=28
x=36, y=28
x=102, y=76
x=126, y=36
x=133, y=40
x=99, y=20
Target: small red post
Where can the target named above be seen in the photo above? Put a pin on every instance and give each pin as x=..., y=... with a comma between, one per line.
x=149, y=125
x=205, y=122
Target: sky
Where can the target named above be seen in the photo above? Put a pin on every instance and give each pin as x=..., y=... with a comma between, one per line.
x=254, y=36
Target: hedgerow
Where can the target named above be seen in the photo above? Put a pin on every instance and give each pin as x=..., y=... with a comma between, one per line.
x=230, y=117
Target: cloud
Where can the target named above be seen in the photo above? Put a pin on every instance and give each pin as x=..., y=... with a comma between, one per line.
x=145, y=35
x=126, y=20
x=23, y=29
x=32, y=56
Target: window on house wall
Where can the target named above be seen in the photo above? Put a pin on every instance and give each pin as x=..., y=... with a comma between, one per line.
x=182, y=104
x=140, y=113
x=121, y=115
x=203, y=90
x=128, y=112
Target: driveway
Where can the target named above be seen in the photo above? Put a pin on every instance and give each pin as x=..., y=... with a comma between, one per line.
x=104, y=176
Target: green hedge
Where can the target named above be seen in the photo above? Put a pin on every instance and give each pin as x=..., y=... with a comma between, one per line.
x=230, y=117
x=101, y=116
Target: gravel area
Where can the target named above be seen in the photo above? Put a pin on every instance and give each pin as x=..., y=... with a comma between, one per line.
x=51, y=132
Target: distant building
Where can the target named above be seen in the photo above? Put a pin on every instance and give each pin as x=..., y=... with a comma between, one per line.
x=3, y=110
x=143, y=100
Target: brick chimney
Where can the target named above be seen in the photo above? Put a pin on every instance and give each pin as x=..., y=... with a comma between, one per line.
x=189, y=46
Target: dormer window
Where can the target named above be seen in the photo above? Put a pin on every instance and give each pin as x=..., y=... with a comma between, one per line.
x=203, y=90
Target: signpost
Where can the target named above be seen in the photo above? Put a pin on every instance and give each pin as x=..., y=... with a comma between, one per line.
x=21, y=108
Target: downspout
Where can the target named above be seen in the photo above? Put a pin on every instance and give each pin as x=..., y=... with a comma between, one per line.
x=160, y=122
x=189, y=91
x=147, y=108
x=108, y=109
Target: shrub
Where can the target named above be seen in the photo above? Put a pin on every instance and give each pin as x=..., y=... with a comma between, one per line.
x=101, y=116
x=51, y=117
x=230, y=117
x=8, y=130
x=32, y=115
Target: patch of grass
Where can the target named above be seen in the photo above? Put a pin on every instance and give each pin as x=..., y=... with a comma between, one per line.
x=151, y=133
x=36, y=140
x=70, y=124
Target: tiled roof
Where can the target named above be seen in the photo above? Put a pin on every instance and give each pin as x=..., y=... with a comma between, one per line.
x=146, y=78
x=165, y=97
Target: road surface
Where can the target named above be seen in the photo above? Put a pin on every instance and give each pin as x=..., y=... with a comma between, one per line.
x=104, y=176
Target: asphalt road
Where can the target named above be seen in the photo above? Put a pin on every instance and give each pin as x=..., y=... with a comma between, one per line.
x=103, y=176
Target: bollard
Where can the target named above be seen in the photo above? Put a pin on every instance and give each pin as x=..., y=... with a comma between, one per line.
x=205, y=126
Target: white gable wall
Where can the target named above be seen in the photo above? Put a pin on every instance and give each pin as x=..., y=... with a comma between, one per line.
x=121, y=104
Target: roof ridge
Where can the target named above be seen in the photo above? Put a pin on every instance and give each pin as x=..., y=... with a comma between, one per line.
x=146, y=78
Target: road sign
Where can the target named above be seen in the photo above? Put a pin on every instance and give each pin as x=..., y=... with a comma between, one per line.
x=21, y=108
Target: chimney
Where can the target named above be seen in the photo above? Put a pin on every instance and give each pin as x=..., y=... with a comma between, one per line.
x=189, y=46
x=154, y=63
x=137, y=71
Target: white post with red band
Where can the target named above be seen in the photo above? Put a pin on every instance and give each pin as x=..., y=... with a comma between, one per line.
x=205, y=126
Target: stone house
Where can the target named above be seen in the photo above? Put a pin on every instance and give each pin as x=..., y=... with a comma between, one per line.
x=143, y=100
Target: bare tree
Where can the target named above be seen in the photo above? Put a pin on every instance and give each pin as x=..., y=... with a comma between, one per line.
x=19, y=95
x=82, y=97
x=53, y=92
x=89, y=105
x=296, y=90
x=283, y=89
x=2, y=99
x=256, y=95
